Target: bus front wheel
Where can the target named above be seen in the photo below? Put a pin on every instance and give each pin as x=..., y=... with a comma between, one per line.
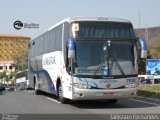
x=61, y=99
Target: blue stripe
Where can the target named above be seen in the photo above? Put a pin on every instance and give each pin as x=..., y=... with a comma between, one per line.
x=51, y=87
x=71, y=44
x=90, y=83
x=142, y=43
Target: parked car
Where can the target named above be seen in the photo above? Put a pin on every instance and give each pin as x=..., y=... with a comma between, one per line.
x=9, y=87
x=2, y=88
x=144, y=81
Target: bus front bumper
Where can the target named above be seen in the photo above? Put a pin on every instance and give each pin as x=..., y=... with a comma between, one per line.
x=93, y=94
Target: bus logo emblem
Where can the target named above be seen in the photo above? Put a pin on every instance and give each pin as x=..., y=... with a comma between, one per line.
x=108, y=85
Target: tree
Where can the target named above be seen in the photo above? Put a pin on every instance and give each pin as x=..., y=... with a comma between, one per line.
x=8, y=77
x=3, y=76
x=154, y=47
x=21, y=59
x=13, y=77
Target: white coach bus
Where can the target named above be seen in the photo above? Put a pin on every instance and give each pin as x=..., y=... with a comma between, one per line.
x=86, y=59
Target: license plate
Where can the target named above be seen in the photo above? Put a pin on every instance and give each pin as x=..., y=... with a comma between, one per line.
x=108, y=94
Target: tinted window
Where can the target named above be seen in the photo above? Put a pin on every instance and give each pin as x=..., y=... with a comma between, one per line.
x=103, y=30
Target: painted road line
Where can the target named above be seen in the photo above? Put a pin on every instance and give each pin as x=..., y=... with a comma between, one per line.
x=152, y=99
x=144, y=102
x=52, y=100
x=30, y=91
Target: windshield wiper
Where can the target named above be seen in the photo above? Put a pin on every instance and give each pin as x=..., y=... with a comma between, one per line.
x=118, y=65
x=100, y=67
x=106, y=59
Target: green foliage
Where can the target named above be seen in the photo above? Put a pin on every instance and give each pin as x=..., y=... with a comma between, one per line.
x=154, y=47
x=141, y=67
x=21, y=60
x=13, y=77
x=10, y=77
x=2, y=74
x=155, y=88
x=152, y=91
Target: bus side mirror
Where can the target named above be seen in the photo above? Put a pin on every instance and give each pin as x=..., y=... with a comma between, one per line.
x=143, y=47
x=71, y=47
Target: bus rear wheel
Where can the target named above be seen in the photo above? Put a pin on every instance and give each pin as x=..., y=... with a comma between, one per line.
x=37, y=92
x=61, y=99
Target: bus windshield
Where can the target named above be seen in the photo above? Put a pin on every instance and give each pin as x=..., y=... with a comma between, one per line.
x=91, y=54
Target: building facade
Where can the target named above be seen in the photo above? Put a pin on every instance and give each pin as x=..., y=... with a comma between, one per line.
x=10, y=44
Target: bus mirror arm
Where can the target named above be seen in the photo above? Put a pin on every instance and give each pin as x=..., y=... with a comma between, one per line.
x=69, y=69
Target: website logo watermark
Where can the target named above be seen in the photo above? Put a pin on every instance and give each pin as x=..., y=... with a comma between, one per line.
x=135, y=116
x=9, y=117
x=19, y=25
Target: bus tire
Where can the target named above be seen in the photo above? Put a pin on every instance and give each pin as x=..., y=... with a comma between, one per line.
x=61, y=99
x=37, y=92
x=112, y=101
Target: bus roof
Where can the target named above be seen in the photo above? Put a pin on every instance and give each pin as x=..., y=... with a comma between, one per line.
x=74, y=19
x=107, y=19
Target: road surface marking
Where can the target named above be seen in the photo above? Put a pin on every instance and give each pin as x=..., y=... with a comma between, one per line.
x=52, y=100
x=30, y=91
x=144, y=102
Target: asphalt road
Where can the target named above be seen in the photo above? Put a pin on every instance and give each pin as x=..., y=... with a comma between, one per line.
x=26, y=102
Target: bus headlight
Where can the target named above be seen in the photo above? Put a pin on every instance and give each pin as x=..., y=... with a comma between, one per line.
x=82, y=86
